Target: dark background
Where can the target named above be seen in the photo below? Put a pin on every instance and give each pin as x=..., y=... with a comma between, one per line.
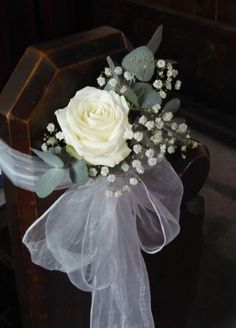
x=199, y=34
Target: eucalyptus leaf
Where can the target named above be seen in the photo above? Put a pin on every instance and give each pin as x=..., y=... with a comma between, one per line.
x=79, y=172
x=131, y=97
x=147, y=96
x=156, y=39
x=48, y=182
x=110, y=63
x=172, y=105
x=140, y=61
x=49, y=158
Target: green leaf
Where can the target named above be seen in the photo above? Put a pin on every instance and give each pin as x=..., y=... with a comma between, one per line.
x=131, y=97
x=79, y=172
x=156, y=39
x=48, y=182
x=147, y=96
x=110, y=63
x=140, y=61
x=172, y=105
x=49, y=158
x=71, y=151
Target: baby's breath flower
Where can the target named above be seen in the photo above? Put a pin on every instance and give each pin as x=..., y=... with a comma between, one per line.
x=159, y=123
x=169, y=73
x=93, y=172
x=118, y=70
x=195, y=144
x=136, y=163
x=171, y=149
x=101, y=81
x=157, y=137
x=104, y=171
x=137, y=149
x=175, y=72
x=140, y=169
x=142, y=119
x=125, y=188
x=117, y=193
x=156, y=108
x=60, y=135
x=123, y=89
x=178, y=85
x=108, y=71
x=152, y=161
x=133, y=181
x=138, y=136
x=182, y=128
x=183, y=148
x=111, y=178
x=51, y=127
x=160, y=157
x=128, y=76
x=167, y=116
x=174, y=126
x=161, y=63
x=149, y=153
x=125, y=167
x=162, y=94
x=113, y=82
x=150, y=125
x=44, y=147
x=168, y=85
x=171, y=141
x=169, y=66
x=162, y=149
x=158, y=84
x=51, y=141
x=109, y=193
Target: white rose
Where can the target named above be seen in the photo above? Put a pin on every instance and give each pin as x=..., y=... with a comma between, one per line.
x=94, y=123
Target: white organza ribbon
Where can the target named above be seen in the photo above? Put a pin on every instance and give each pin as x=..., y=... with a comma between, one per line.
x=97, y=240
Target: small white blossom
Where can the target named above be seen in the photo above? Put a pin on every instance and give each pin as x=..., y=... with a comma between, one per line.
x=118, y=70
x=126, y=188
x=133, y=181
x=161, y=63
x=138, y=136
x=109, y=193
x=128, y=76
x=113, y=82
x=140, y=170
x=104, y=171
x=182, y=128
x=156, y=108
x=157, y=137
x=168, y=85
x=169, y=66
x=171, y=149
x=101, y=81
x=125, y=167
x=174, y=126
x=150, y=125
x=111, y=178
x=183, y=148
x=161, y=73
x=44, y=147
x=152, y=161
x=171, y=141
x=51, y=141
x=51, y=127
x=162, y=94
x=108, y=71
x=57, y=149
x=149, y=153
x=160, y=157
x=128, y=135
x=169, y=73
x=137, y=149
x=60, y=135
x=117, y=193
x=175, y=72
x=188, y=136
x=195, y=144
x=178, y=85
x=136, y=163
x=163, y=149
x=159, y=123
x=167, y=116
x=158, y=84
x=123, y=89
x=142, y=119
x=93, y=172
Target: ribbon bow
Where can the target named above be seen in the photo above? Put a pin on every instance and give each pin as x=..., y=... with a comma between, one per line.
x=97, y=240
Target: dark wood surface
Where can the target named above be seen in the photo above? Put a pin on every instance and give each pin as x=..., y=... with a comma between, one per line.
x=44, y=80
